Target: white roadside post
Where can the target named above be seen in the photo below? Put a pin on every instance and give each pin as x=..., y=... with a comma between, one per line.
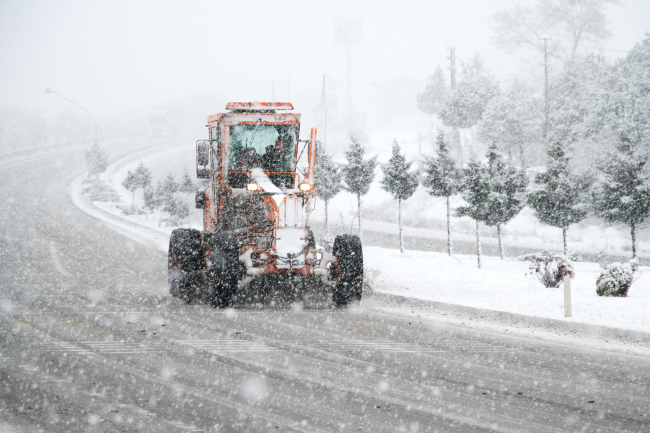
x=567, y=296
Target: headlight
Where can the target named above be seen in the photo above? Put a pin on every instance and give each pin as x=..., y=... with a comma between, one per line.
x=305, y=187
x=252, y=186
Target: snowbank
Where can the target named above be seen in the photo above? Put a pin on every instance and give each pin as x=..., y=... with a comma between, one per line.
x=502, y=285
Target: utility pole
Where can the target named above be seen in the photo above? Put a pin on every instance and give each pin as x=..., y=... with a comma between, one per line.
x=348, y=77
x=452, y=66
x=322, y=124
x=546, y=96
x=452, y=69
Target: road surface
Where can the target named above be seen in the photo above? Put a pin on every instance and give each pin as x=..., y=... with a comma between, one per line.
x=90, y=340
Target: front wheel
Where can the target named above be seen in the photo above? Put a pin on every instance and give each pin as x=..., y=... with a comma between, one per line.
x=185, y=256
x=347, y=248
x=224, y=255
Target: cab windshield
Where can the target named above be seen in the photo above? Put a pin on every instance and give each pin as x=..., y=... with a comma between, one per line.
x=270, y=147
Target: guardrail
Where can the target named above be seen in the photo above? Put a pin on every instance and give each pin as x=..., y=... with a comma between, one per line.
x=60, y=146
x=42, y=149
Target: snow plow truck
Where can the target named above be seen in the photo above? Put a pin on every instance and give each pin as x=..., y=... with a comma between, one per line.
x=256, y=234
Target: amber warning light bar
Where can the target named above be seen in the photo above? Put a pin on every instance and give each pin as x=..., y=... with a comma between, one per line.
x=245, y=106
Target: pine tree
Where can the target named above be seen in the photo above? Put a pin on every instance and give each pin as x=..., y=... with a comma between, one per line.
x=327, y=181
x=165, y=190
x=150, y=199
x=400, y=182
x=186, y=184
x=622, y=194
x=562, y=201
x=131, y=183
x=143, y=176
x=431, y=101
x=96, y=160
x=358, y=173
x=513, y=121
x=442, y=178
x=188, y=187
x=507, y=196
x=475, y=190
x=467, y=101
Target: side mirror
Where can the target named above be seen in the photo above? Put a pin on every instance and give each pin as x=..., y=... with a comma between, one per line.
x=199, y=199
x=203, y=170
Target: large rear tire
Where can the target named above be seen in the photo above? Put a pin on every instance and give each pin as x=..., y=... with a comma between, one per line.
x=347, y=248
x=224, y=255
x=185, y=256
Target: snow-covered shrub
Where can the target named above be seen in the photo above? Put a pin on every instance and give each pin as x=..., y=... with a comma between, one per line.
x=97, y=190
x=549, y=269
x=616, y=279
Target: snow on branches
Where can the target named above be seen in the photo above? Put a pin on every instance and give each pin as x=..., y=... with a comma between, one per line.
x=358, y=173
x=399, y=182
x=549, y=269
x=617, y=279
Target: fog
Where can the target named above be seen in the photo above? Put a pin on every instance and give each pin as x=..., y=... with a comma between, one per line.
x=121, y=59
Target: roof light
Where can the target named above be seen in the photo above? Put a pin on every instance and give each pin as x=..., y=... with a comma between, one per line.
x=305, y=187
x=251, y=106
x=252, y=186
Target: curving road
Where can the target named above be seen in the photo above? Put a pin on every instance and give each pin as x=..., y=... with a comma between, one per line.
x=91, y=341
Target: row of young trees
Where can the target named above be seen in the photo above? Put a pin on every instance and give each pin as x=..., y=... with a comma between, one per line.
x=495, y=191
x=164, y=195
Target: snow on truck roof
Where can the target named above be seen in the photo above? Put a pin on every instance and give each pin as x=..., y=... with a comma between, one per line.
x=254, y=106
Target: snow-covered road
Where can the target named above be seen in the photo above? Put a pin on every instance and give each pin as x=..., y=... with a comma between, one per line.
x=90, y=340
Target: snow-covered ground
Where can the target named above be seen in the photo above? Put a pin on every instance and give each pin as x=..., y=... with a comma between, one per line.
x=501, y=285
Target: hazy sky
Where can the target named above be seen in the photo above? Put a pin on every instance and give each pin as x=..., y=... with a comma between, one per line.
x=114, y=56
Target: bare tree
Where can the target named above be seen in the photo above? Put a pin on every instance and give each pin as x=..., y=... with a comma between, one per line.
x=571, y=25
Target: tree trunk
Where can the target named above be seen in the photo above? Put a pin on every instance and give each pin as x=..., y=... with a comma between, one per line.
x=633, y=232
x=327, y=225
x=359, y=213
x=135, y=209
x=500, y=243
x=448, y=230
x=399, y=223
x=478, y=246
x=564, y=230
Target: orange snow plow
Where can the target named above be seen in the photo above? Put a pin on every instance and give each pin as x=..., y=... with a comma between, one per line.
x=255, y=215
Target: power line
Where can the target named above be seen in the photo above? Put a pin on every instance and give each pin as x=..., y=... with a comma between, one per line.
x=378, y=85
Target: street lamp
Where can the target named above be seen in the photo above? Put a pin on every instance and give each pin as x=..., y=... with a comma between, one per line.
x=48, y=90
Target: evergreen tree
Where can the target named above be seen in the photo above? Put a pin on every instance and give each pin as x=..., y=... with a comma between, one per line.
x=327, y=181
x=475, y=190
x=628, y=101
x=467, y=101
x=96, y=160
x=186, y=184
x=143, y=176
x=431, y=101
x=512, y=121
x=131, y=183
x=562, y=200
x=358, y=173
x=622, y=194
x=150, y=199
x=442, y=178
x=165, y=190
x=507, y=192
x=188, y=187
x=400, y=182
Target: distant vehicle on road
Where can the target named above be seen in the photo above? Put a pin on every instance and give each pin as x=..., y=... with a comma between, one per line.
x=159, y=124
